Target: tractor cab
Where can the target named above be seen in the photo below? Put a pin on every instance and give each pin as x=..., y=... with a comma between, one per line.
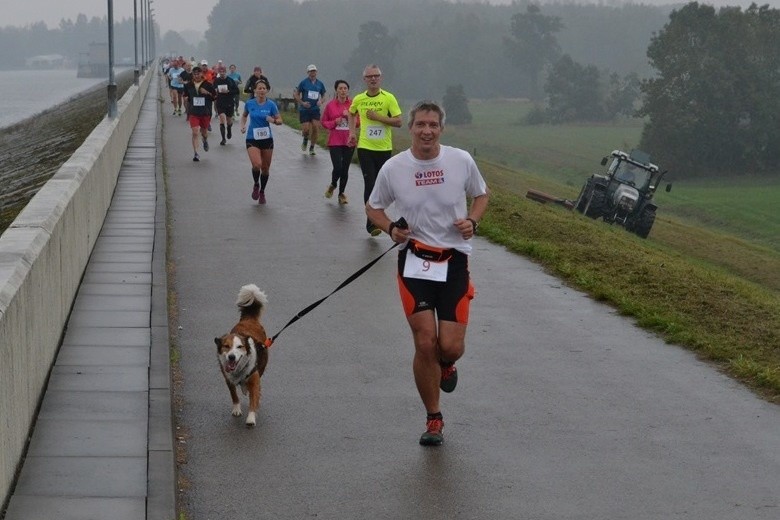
x=635, y=170
x=629, y=173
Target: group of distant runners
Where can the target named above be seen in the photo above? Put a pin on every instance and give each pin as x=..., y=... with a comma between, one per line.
x=196, y=90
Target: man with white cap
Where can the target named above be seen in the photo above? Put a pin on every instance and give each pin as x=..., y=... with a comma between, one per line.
x=309, y=95
x=208, y=74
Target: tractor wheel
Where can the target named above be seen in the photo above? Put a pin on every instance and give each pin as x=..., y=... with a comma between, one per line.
x=582, y=198
x=597, y=206
x=591, y=199
x=644, y=223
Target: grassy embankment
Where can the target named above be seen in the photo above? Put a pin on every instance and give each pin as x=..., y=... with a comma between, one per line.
x=707, y=278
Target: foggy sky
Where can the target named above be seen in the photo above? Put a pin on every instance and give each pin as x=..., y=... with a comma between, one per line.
x=179, y=15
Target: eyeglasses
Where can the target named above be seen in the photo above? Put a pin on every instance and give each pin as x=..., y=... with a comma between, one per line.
x=372, y=76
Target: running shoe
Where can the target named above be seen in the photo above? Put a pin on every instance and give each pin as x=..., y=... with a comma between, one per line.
x=256, y=192
x=449, y=377
x=261, y=197
x=179, y=112
x=174, y=111
x=303, y=145
x=205, y=145
x=222, y=142
x=433, y=435
x=329, y=191
x=342, y=199
x=311, y=151
x=196, y=158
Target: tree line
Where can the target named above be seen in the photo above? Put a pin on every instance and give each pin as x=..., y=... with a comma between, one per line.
x=711, y=105
x=714, y=103
x=421, y=45
x=705, y=81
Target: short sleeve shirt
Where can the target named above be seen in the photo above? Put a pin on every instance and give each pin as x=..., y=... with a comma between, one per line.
x=175, y=74
x=430, y=195
x=311, y=92
x=259, y=128
x=373, y=134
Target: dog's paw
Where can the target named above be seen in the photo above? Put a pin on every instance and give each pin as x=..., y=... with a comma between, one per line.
x=236, y=410
x=250, y=420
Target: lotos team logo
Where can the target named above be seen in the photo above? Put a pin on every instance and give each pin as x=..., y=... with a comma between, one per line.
x=429, y=177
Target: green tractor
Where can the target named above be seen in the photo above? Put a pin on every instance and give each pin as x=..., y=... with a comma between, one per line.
x=624, y=193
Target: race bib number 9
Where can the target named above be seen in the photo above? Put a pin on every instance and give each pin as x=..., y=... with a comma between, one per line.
x=199, y=101
x=424, y=269
x=261, y=133
x=375, y=132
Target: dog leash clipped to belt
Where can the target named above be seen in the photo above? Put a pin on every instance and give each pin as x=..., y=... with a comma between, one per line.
x=400, y=223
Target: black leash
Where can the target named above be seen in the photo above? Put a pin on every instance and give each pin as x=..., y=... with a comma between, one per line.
x=304, y=312
x=400, y=223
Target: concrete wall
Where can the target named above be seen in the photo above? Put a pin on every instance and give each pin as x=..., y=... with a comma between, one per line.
x=43, y=255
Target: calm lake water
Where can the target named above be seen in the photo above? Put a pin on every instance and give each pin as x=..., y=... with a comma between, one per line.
x=35, y=142
x=29, y=92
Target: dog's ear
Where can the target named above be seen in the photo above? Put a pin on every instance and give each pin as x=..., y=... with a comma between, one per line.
x=218, y=341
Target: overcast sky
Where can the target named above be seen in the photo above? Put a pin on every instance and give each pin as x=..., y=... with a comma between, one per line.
x=170, y=14
x=181, y=15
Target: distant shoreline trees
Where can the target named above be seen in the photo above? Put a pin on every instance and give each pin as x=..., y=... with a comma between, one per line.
x=71, y=38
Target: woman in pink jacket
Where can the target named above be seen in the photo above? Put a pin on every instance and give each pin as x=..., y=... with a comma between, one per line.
x=335, y=119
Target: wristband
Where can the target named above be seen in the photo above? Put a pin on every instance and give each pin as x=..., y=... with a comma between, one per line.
x=474, y=224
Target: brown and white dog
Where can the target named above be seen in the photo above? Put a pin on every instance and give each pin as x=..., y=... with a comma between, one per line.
x=242, y=353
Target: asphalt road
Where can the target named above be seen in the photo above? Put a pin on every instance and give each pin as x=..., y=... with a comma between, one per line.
x=564, y=410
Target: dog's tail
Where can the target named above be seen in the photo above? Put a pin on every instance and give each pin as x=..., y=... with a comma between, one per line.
x=251, y=301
